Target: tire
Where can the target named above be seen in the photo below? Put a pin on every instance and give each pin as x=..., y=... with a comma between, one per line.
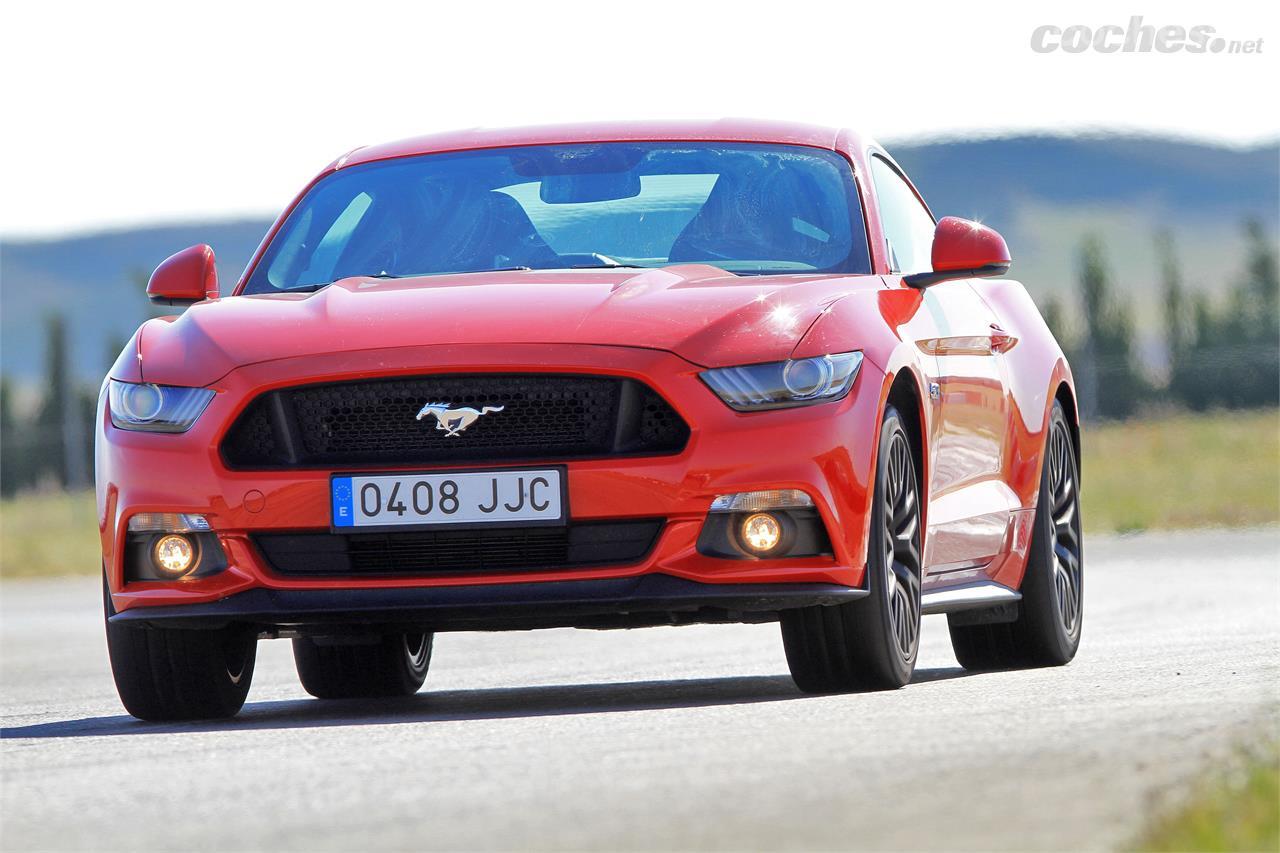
x=871, y=643
x=171, y=674
x=1051, y=613
x=396, y=665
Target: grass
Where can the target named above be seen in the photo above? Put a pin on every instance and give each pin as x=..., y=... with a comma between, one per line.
x=1179, y=471
x=1237, y=809
x=45, y=534
x=1187, y=470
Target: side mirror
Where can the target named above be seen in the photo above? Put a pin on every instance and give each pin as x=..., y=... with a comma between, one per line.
x=963, y=248
x=183, y=279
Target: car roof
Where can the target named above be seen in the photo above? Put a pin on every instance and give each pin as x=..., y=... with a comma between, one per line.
x=718, y=130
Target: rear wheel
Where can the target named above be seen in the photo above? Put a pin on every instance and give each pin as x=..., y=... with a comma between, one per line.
x=393, y=665
x=1050, y=615
x=870, y=643
x=168, y=674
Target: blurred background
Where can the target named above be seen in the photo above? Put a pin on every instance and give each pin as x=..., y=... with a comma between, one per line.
x=1139, y=192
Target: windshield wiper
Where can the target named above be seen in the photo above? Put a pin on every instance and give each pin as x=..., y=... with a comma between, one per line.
x=469, y=272
x=385, y=274
x=608, y=266
x=312, y=288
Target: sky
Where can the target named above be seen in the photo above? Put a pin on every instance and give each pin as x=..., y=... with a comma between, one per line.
x=127, y=113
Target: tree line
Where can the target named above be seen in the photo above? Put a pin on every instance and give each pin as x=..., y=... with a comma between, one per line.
x=1223, y=352
x=51, y=446
x=1223, y=343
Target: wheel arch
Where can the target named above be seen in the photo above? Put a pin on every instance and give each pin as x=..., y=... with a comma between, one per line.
x=906, y=397
x=1066, y=396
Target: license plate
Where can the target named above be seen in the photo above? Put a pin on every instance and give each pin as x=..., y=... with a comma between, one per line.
x=521, y=497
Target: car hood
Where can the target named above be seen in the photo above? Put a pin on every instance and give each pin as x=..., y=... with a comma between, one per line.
x=701, y=313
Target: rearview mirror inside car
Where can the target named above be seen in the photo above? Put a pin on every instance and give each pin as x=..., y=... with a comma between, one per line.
x=588, y=187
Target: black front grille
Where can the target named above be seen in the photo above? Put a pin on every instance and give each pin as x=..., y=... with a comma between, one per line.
x=373, y=422
x=446, y=552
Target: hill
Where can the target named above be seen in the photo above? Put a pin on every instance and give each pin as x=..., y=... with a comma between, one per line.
x=1043, y=192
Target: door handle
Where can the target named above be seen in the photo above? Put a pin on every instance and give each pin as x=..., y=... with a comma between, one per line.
x=1001, y=341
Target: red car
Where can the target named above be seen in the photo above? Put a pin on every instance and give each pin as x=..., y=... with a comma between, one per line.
x=594, y=376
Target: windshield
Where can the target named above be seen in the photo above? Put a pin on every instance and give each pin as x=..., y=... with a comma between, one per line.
x=749, y=209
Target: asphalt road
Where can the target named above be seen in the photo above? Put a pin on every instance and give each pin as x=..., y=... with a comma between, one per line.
x=661, y=738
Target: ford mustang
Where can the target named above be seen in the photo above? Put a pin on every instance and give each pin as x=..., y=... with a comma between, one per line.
x=598, y=376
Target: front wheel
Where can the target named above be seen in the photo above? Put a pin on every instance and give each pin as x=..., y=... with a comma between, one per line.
x=392, y=665
x=1050, y=615
x=171, y=674
x=870, y=643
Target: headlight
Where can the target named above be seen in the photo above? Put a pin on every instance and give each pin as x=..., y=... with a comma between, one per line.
x=780, y=384
x=156, y=408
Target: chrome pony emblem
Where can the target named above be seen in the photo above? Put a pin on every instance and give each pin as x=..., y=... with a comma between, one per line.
x=455, y=421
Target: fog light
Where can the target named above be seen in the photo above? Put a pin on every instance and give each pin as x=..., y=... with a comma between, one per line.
x=174, y=554
x=761, y=532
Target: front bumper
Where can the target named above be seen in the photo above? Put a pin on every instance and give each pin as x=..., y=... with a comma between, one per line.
x=651, y=599
x=825, y=450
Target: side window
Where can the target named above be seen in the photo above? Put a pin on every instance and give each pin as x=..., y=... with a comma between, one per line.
x=908, y=227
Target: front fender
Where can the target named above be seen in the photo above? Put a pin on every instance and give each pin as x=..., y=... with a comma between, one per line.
x=875, y=322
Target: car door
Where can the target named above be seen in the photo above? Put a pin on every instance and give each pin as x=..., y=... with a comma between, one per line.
x=960, y=346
